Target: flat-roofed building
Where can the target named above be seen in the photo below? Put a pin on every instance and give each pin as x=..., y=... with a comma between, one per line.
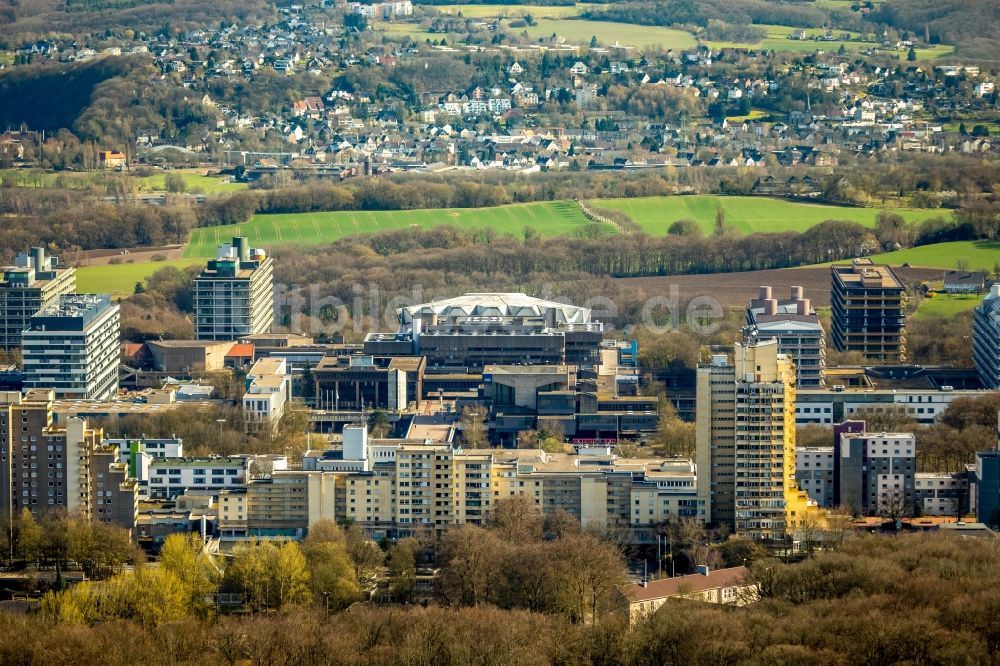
x=876, y=473
x=368, y=382
x=521, y=385
x=831, y=405
x=467, y=333
x=986, y=339
x=746, y=442
x=172, y=477
x=814, y=473
x=794, y=324
x=867, y=302
x=46, y=466
x=941, y=494
x=269, y=390
x=72, y=346
x=729, y=587
x=33, y=282
x=234, y=295
x=988, y=487
x=184, y=357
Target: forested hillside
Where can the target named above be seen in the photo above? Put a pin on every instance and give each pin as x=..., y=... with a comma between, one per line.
x=103, y=101
x=972, y=25
x=22, y=21
x=27, y=94
x=700, y=12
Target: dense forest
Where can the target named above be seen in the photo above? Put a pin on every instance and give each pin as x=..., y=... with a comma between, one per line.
x=971, y=25
x=918, y=598
x=26, y=93
x=700, y=12
x=104, y=101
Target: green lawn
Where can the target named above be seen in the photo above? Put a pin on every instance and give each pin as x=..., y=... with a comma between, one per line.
x=196, y=180
x=549, y=218
x=574, y=31
x=120, y=279
x=777, y=40
x=199, y=181
x=943, y=305
x=978, y=255
x=745, y=214
x=505, y=11
x=579, y=31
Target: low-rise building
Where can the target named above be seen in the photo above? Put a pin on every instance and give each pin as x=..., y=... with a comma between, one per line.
x=269, y=390
x=832, y=404
x=729, y=587
x=171, y=477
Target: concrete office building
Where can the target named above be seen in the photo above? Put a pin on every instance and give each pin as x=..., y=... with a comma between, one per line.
x=745, y=442
x=72, y=346
x=46, y=466
x=464, y=334
x=876, y=472
x=405, y=487
x=172, y=477
x=137, y=454
x=941, y=494
x=353, y=383
x=986, y=339
x=814, y=473
x=867, y=309
x=33, y=282
x=554, y=398
x=988, y=487
x=234, y=295
x=831, y=405
x=269, y=390
x=794, y=324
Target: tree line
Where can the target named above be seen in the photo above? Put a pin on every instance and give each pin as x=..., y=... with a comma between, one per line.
x=916, y=598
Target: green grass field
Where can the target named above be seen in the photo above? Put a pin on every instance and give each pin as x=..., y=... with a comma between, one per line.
x=120, y=279
x=549, y=219
x=506, y=11
x=196, y=180
x=777, y=40
x=574, y=31
x=579, y=31
x=978, y=255
x=943, y=305
x=745, y=214
x=199, y=181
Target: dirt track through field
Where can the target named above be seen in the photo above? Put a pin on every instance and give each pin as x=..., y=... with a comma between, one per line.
x=137, y=256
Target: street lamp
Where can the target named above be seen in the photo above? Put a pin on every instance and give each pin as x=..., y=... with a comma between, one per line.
x=326, y=601
x=220, y=422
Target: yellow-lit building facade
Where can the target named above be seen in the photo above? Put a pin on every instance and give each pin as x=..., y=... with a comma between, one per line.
x=746, y=442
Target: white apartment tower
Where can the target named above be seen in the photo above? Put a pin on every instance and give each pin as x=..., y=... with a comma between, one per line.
x=72, y=347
